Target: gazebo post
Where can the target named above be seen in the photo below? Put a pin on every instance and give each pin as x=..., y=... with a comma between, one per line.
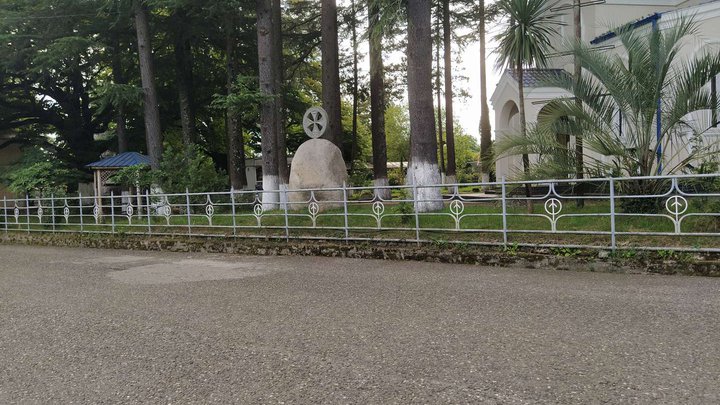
x=98, y=190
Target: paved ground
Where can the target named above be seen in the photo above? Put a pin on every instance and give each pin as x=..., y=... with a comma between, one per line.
x=90, y=326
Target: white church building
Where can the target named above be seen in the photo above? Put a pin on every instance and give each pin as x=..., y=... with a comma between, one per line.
x=598, y=17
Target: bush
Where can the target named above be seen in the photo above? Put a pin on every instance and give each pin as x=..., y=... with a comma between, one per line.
x=41, y=175
x=360, y=176
x=396, y=177
x=189, y=168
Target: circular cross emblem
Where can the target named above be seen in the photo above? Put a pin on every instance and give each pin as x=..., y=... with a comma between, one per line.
x=96, y=212
x=66, y=213
x=258, y=209
x=40, y=213
x=313, y=208
x=315, y=122
x=457, y=207
x=676, y=205
x=553, y=206
x=210, y=210
x=129, y=210
x=378, y=208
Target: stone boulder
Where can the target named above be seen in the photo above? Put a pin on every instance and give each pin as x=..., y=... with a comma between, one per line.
x=317, y=164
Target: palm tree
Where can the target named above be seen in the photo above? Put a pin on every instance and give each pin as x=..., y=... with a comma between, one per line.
x=525, y=42
x=423, y=169
x=613, y=89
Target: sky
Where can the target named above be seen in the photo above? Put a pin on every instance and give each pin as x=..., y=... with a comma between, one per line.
x=466, y=109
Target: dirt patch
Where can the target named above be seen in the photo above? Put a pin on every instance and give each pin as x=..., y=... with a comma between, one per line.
x=189, y=270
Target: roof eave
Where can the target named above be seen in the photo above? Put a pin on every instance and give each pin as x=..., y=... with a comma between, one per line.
x=612, y=34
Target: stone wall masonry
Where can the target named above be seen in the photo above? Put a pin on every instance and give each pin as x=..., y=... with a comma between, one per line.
x=705, y=264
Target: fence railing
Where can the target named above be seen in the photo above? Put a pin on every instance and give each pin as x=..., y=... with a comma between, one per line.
x=672, y=212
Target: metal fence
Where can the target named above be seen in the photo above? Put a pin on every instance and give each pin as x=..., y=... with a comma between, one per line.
x=672, y=212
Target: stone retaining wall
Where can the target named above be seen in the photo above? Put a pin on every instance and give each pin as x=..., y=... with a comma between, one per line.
x=563, y=259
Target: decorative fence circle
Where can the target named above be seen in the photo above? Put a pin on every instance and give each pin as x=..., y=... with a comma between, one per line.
x=378, y=208
x=553, y=206
x=676, y=205
x=313, y=208
x=457, y=207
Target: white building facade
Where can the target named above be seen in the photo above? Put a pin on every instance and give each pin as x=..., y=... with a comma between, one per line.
x=598, y=18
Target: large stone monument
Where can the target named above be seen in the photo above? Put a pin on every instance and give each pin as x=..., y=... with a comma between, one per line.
x=317, y=164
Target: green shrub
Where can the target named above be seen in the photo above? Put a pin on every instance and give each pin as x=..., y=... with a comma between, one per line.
x=396, y=177
x=189, y=168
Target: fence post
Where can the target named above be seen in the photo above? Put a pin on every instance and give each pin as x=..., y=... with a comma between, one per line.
x=52, y=210
x=285, y=210
x=27, y=211
x=5, y=217
x=504, y=212
x=232, y=203
x=345, y=210
x=613, y=242
x=147, y=211
x=80, y=206
x=112, y=211
x=417, y=214
x=187, y=210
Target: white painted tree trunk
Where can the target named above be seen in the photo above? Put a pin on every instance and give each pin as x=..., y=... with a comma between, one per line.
x=282, y=196
x=383, y=193
x=270, y=196
x=424, y=174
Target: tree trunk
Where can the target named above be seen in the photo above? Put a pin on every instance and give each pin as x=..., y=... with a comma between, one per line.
x=449, y=119
x=579, y=169
x=354, y=149
x=268, y=123
x=184, y=77
x=235, y=148
x=485, y=129
x=331, y=71
x=441, y=145
x=121, y=130
x=279, y=77
x=377, y=103
x=523, y=131
x=423, y=169
x=118, y=78
x=153, y=132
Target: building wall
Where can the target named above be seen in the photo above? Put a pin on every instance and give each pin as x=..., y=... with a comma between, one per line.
x=597, y=20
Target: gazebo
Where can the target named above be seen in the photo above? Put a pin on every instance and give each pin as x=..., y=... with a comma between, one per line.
x=105, y=168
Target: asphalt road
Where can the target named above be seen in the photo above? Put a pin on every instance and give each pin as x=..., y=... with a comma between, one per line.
x=90, y=326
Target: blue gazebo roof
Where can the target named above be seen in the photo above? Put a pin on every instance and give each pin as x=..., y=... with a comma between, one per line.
x=121, y=160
